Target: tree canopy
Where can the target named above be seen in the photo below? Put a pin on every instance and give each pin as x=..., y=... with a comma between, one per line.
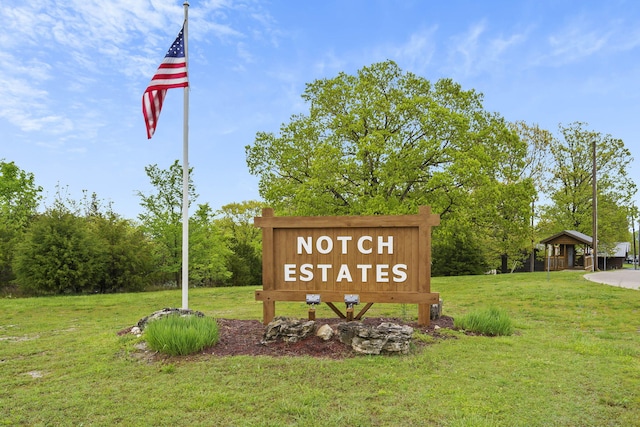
x=385, y=141
x=571, y=184
x=162, y=221
x=19, y=197
x=76, y=248
x=244, y=240
x=380, y=141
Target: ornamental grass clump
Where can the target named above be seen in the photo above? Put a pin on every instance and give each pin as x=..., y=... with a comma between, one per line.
x=491, y=321
x=181, y=335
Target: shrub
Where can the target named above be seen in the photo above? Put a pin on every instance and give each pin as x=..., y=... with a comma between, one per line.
x=180, y=335
x=58, y=255
x=491, y=321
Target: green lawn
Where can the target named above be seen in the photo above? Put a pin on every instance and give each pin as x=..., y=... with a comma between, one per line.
x=573, y=361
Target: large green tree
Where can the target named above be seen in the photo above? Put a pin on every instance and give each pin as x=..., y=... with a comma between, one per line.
x=458, y=250
x=162, y=217
x=571, y=184
x=244, y=241
x=385, y=141
x=381, y=141
x=162, y=221
x=19, y=198
x=59, y=255
x=127, y=254
x=503, y=205
x=208, y=251
x=510, y=205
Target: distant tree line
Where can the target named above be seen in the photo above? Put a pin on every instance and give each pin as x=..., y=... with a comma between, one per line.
x=76, y=247
x=382, y=141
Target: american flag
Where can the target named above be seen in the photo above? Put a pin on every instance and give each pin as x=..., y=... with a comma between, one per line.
x=171, y=73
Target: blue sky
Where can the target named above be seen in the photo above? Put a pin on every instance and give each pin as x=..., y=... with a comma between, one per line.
x=72, y=74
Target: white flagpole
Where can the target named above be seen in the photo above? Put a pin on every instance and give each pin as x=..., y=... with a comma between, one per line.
x=185, y=173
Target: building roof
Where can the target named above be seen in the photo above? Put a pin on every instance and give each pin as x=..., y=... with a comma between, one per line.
x=576, y=235
x=620, y=251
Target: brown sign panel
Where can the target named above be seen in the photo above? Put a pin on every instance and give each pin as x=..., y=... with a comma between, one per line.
x=379, y=258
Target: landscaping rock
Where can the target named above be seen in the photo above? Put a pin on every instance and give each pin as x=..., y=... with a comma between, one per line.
x=325, y=332
x=167, y=312
x=288, y=329
x=384, y=338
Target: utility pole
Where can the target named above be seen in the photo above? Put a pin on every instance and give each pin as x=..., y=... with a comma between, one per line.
x=532, y=259
x=633, y=230
x=594, y=206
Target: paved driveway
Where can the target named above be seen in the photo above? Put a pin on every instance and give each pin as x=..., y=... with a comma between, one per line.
x=624, y=278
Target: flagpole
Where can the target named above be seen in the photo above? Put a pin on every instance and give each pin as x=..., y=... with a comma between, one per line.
x=185, y=173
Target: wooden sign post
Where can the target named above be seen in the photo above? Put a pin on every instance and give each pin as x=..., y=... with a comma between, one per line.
x=379, y=259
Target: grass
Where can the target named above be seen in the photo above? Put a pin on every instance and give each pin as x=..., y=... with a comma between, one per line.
x=573, y=361
x=490, y=321
x=177, y=335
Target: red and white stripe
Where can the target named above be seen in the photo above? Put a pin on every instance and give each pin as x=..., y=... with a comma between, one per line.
x=172, y=73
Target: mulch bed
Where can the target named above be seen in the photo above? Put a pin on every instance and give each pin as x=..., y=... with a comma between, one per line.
x=244, y=337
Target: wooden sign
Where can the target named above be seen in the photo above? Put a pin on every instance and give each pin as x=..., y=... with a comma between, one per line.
x=381, y=259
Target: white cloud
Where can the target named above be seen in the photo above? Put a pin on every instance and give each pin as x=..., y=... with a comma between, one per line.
x=244, y=52
x=479, y=51
x=87, y=44
x=583, y=38
x=23, y=99
x=328, y=65
x=418, y=51
x=202, y=28
x=32, y=69
x=574, y=43
x=54, y=124
x=466, y=46
x=25, y=22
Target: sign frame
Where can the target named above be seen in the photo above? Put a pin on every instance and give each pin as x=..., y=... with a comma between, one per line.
x=278, y=286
